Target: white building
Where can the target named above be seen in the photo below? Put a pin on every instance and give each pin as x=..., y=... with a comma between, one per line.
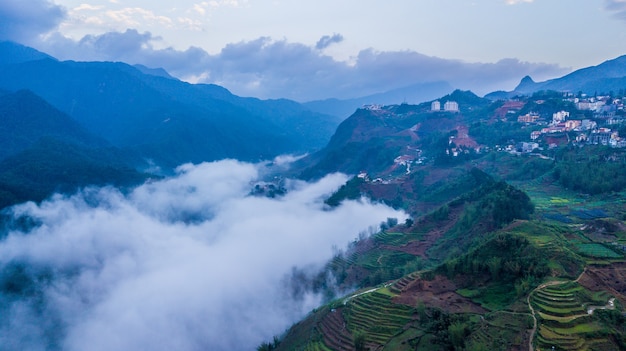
x=560, y=117
x=590, y=105
x=451, y=106
x=435, y=106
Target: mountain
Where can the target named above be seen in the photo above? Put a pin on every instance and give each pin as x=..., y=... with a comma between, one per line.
x=52, y=165
x=372, y=138
x=167, y=120
x=27, y=118
x=603, y=78
x=413, y=94
x=159, y=72
x=504, y=250
x=42, y=151
x=11, y=52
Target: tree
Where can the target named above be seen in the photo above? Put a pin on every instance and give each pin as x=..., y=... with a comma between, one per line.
x=408, y=223
x=457, y=332
x=359, y=341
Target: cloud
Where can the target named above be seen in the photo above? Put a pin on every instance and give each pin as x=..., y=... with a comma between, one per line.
x=618, y=7
x=87, y=7
x=515, y=2
x=269, y=68
x=130, y=17
x=187, y=263
x=328, y=40
x=22, y=20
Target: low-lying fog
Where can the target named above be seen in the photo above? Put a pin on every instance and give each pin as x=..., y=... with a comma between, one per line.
x=186, y=263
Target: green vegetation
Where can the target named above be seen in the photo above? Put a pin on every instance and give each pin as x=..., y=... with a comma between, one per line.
x=591, y=170
x=349, y=191
x=375, y=317
x=53, y=166
x=571, y=317
x=487, y=208
x=597, y=250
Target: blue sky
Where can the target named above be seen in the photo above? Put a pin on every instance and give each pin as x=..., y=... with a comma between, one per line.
x=342, y=48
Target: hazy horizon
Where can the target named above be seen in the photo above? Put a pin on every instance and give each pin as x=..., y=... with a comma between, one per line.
x=304, y=52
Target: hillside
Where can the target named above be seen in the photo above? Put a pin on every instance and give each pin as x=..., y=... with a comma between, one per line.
x=43, y=151
x=529, y=282
x=506, y=248
x=26, y=118
x=167, y=120
x=53, y=166
x=372, y=138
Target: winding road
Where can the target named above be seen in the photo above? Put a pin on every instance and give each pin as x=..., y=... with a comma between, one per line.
x=532, y=310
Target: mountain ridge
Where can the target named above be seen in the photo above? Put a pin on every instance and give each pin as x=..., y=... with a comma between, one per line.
x=130, y=109
x=607, y=76
x=416, y=93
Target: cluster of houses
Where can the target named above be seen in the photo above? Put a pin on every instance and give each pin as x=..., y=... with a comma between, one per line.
x=598, y=104
x=595, y=121
x=561, y=129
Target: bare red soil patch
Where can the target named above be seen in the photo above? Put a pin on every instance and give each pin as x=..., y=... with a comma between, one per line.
x=514, y=106
x=610, y=278
x=439, y=292
x=334, y=331
x=463, y=138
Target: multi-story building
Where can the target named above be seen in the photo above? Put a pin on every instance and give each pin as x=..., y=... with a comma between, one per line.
x=435, y=106
x=451, y=106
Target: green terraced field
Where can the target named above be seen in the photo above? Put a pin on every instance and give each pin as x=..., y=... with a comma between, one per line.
x=565, y=321
x=376, y=316
x=597, y=251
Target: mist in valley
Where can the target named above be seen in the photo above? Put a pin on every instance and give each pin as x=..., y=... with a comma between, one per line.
x=191, y=262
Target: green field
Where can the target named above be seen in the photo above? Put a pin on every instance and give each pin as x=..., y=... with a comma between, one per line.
x=597, y=251
x=565, y=321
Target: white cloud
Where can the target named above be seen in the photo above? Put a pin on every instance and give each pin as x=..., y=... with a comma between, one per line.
x=87, y=7
x=618, y=7
x=200, y=8
x=269, y=68
x=231, y=3
x=261, y=67
x=515, y=2
x=190, y=23
x=186, y=263
x=131, y=17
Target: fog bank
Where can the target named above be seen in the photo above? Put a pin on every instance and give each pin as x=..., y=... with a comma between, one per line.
x=191, y=262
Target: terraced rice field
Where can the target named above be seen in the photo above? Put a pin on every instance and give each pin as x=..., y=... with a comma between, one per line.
x=335, y=333
x=597, y=251
x=377, y=317
x=503, y=328
x=399, y=285
x=392, y=238
x=566, y=320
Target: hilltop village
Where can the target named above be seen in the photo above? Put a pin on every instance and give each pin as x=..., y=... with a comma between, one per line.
x=536, y=126
x=594, y=120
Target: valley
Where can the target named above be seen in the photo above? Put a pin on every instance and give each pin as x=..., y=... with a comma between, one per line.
x=482, y=264
x=135, y=201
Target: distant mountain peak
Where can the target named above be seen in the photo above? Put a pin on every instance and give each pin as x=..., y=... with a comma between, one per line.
x=158, y=72
x=11, y=52
x=525, y=82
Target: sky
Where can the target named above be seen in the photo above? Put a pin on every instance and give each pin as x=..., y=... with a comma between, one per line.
x=129, y=271
x=328, y=48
